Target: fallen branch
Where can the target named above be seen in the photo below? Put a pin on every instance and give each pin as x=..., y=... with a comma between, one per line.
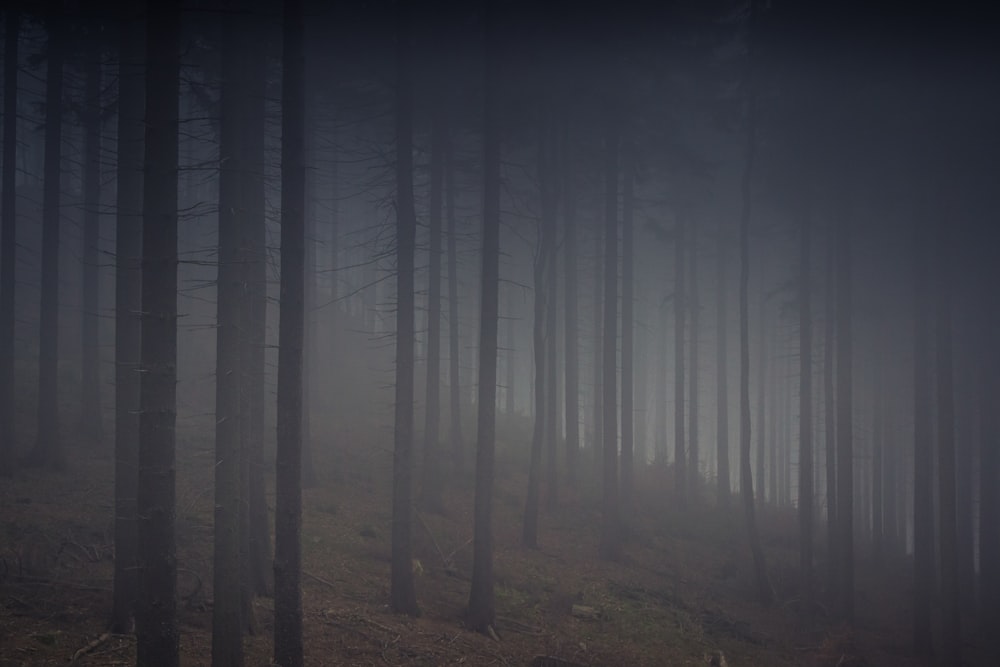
x=89, y=647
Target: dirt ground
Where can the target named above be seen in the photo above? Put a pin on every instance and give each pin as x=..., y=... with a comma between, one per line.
x=682, y=590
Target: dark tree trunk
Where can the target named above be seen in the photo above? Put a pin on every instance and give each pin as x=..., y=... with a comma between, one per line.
x=661, y=455
x=227, y=636
x=510, y=356
x=923, y=505
x=989, y=465
x=128, y=305
x=762, y=359
x=845, y=436
x=541, y=328
x=805, y=416
x=430, y=492
x=878, y=467
x=8, y=240
x=694, y=468
x=722, y=375
x=253, y=325
x=598, y=347
x=830, y=418
x=951, y=641
x=571, y=313
x=610, y=519
x=48, y=451
x=764, y=590
x=454, y=375
x=91, y=423
x=550, y=221
x=680, y=306
x=628, y=335
x=156, y=612
x=481, y=615
x=288, y=650
x=403, y=597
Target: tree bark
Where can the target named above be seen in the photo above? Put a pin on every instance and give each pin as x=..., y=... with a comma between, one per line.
x=454, y=367
x=128, y=305
x=680, y=307
x=403, y=597
x=288, y=651
x=693, y=304
x=610, y=519
x=572, y=316
x=830, y=417
x=805, y=416
x=430, y=495
x=628, y=334
x=8, y=241
x=481, y=615
x=48, y=450
x=723, y=487
x=91, y=422
x=845, y=437
x=923, y=506
x=156, y=612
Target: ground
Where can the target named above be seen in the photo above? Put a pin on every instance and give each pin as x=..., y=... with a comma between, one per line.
x=681, y=591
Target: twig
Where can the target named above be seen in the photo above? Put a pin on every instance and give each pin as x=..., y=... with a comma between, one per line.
x=320, y=580
x=444, y=560
x=89, y=647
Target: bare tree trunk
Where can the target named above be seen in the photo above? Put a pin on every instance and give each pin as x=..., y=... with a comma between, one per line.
x=8, y=240
x=764, y=590
x=989, y=464
x=481, y=615
x=403, y=597
x=661, y=456
x=432, y=478
x=923, y=505
x=610, y=519
x=288, y=651
x=128, y=305
x=454, y=375
x=830, y=417
x=551, y=221
x=680, y=306
x=878, y=461
x=91, y=422
x=951, y=642
x=598, y=425
x=805, y=416
x=762, y=402
x=722, y=374
x=845, y=438
x=571, y=313
x=48, y=450
x=156, y=612
x=628, y=335
x=694, y=455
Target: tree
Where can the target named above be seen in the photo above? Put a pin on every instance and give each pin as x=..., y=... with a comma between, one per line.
x=610, y=519
x=571, y=315
x=923, y=506
x=805, y=417
x=694, y=307
x=481, y=616
x=156, y=611
x=288, y=650
x=680, y=299
x=722, y=375
x=8, y=239
x=230, y=497
x=128, y=305
x=764, y=591
x=628, y=325
x=47, y=451
x=845, y=437
x=403, y=597
x=951, y=641
x=91, y=424
x=431, y=486
x=830, y=416
x=454, y=376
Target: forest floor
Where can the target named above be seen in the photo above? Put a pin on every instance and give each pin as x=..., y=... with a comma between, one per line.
x=681, y=590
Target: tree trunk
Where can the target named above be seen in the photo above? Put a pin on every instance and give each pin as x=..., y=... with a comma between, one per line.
x=571, y=313
x=989, y=465
x=661, y=456
x=764, y=590
x=8, y=240
x=481, y=615
x=156, y=612
x=403, y=597
x=48, y=450
x=454, y=375
x=551, y=222
x=628, y=335
x=598, y=347
x=128, y=305
x=288, y=650
x=805, y=417
x=91, y=423
x=722, y=376
x=878, y=464
x=951, y=648
x=227, y=636
x=845, y=437
x=694, y=468
x=430, y=495
x=680, y=302
x=610, y=520
x=923, y=505
x=830, y=418
x=762, y=403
